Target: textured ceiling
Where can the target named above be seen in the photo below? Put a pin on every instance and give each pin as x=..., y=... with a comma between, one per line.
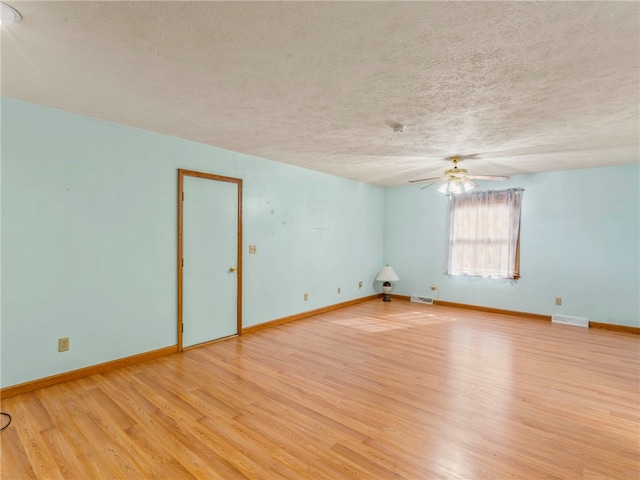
x=527, y=87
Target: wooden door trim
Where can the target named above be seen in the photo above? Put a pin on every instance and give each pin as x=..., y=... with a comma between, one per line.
x=209, y=176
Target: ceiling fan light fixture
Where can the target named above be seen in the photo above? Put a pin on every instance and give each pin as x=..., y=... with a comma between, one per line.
x=456, y=185
x=468, y=185
x=8, y=14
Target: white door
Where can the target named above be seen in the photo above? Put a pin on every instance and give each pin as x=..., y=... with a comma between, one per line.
x=209, y=259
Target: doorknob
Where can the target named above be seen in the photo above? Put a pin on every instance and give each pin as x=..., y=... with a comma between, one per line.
x=232, y=269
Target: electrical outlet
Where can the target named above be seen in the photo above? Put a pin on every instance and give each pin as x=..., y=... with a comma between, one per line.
x=338, y=289
x=63, y=344
x=360, y=284
x=253, y=249
x=306, y=297
x=558, y=300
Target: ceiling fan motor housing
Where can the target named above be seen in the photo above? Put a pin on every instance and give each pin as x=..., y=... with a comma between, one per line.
x=456, y=172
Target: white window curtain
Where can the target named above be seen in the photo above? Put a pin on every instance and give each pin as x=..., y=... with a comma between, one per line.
x=484, y=234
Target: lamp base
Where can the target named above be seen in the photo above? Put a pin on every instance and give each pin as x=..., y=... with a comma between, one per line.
x=386, y=290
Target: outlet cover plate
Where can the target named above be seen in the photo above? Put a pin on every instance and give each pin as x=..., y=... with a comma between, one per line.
x=63, y=344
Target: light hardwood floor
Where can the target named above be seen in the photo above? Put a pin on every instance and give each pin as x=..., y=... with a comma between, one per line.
x=373, y=391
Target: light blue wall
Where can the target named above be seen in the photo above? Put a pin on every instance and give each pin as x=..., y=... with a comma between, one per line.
x=579, y=241
x=89, y=238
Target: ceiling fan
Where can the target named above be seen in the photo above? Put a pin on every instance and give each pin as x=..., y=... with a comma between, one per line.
x=457, y=180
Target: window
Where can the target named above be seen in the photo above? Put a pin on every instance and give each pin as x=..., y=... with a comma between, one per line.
x=484, y=234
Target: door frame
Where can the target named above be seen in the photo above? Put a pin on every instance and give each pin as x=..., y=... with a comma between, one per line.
x=219, y=178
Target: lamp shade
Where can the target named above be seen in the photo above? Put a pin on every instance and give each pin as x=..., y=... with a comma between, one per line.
x=387, y=274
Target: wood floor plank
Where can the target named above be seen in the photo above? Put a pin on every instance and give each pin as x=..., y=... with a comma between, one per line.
x=13, y=453
x=66, y=459
x=378, y=390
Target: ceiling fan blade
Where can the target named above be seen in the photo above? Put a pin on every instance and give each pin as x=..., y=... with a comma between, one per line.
x=426, y=179
x=441, y=180
x=489, y=177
